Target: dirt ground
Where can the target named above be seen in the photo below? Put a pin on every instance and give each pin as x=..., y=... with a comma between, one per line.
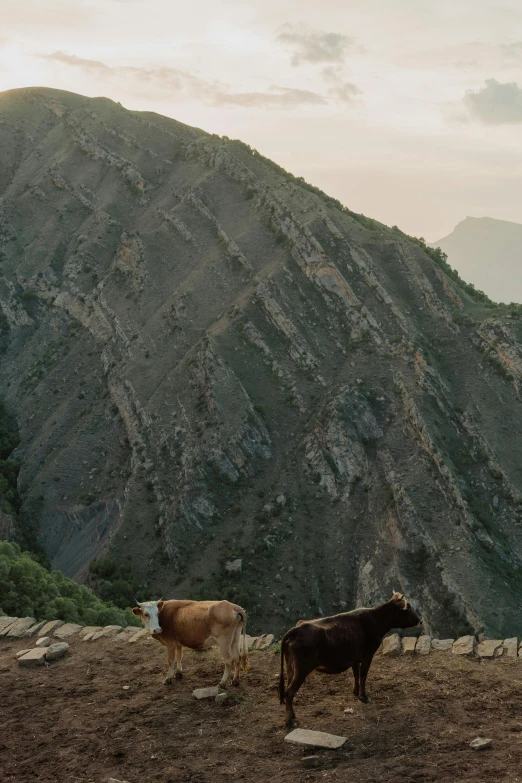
x=73, y=722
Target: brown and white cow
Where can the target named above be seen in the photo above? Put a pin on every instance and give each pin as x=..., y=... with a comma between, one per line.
x=198, y=625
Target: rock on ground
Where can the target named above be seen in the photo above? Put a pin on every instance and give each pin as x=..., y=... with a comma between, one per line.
x=89, y=630
x=423, y=645
x=49, y=627
x=442, y=644
x=108, y=632
x=408, y=645
x=480, y=743
x=57, y=650
x=19, y=627
x=67, y=630
x=510, y=647
x=32, y=631
x=5, y=623
x=34, y=657
x=465, y=645
x=43, y=641
x=205, y=693
x=490, y=648
x=140, y=633
x=22, y=652
x=317, y=739
x=391, y=645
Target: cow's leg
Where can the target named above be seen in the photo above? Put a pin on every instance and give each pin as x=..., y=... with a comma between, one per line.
x=235, y=656
x=355, y=669
x=171, y=652
x=297, y=680
x=363, y=671
x=178, y=652
x=226, y=654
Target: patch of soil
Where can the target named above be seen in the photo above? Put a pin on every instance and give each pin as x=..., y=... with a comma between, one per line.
x=73, y=721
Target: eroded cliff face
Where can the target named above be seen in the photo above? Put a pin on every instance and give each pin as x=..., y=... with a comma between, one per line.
x=207, y=360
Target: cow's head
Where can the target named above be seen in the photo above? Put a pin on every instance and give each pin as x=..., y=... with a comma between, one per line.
x=149, y=613
x=404, y=616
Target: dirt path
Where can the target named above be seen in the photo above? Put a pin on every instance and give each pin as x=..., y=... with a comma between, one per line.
x=72, y=722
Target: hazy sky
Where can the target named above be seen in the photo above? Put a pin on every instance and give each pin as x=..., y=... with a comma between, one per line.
x=407, y=110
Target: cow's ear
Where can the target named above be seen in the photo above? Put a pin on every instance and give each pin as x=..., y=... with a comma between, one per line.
x=137, y=611
x=160, y=605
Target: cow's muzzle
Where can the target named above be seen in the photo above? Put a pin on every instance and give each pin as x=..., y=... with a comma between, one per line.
x=156, y=631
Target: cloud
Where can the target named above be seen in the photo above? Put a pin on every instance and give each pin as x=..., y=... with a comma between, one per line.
x=166, y=82
x=495, y=103
x=342, y=90
x=314, y=46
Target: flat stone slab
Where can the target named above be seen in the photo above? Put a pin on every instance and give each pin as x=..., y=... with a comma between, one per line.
x=89, y=630
x=35, y=657
x=19, y=627
x=5, y=623
x=33, y=630
x=140, y=634
x=57, y=650
x=106, y=633
x=262, y=642
x=391, y=645
x=442, y=644
x=465, y=645
x=423, y=645
x=205, y=693
x=481, y=743
x=316, y=739
x=49, y=627
x=22, y=652
x=510, y=647
x=408, y=645
x=43, y=641
x=64, y=631
x=490, y=648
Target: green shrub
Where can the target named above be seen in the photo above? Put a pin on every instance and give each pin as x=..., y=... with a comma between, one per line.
x=29, y=589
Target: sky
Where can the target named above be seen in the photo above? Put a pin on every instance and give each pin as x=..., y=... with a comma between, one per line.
x=409, y=111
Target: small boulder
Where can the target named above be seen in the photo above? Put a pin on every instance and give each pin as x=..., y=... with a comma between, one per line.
x=205, y=693
x=221, y=698
x=491, y=648
x=35, y=657
x=423, y=645
x=510, y=647
x=391, y=645
x=465, y=645
x=140, y=633
x=43, y=641
x=49, y=627
x=19, y=627
x=5, y=623
x=234, y=566
x=264, y=641
x=33, y=630
x=66, y=630
x=317, y=739
x=89, y=630
x=443, y=645
x=408, y=645
x=57, y=650
x=106, y=633
x=481, y=743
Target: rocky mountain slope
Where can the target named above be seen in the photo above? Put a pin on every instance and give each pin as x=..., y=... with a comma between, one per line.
x=210, y=360
x=489, y=252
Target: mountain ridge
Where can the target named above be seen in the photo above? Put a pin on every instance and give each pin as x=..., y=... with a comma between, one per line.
x=210, y=359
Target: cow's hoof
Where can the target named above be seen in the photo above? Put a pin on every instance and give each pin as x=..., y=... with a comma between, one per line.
x=235, y=683
x=167, y=681
x=364, y=699
x=179, y=676
x=292, y=724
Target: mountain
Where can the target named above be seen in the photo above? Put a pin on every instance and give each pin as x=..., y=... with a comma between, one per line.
x=489, y=252
x=210, y=360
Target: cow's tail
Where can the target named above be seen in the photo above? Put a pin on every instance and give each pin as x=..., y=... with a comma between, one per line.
x=284, y=650
x=243, y=644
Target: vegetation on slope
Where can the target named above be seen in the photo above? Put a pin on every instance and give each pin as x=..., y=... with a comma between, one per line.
x=29, y=589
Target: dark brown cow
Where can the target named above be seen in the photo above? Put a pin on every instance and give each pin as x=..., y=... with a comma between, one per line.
x=333, y=644
x=198, y=625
